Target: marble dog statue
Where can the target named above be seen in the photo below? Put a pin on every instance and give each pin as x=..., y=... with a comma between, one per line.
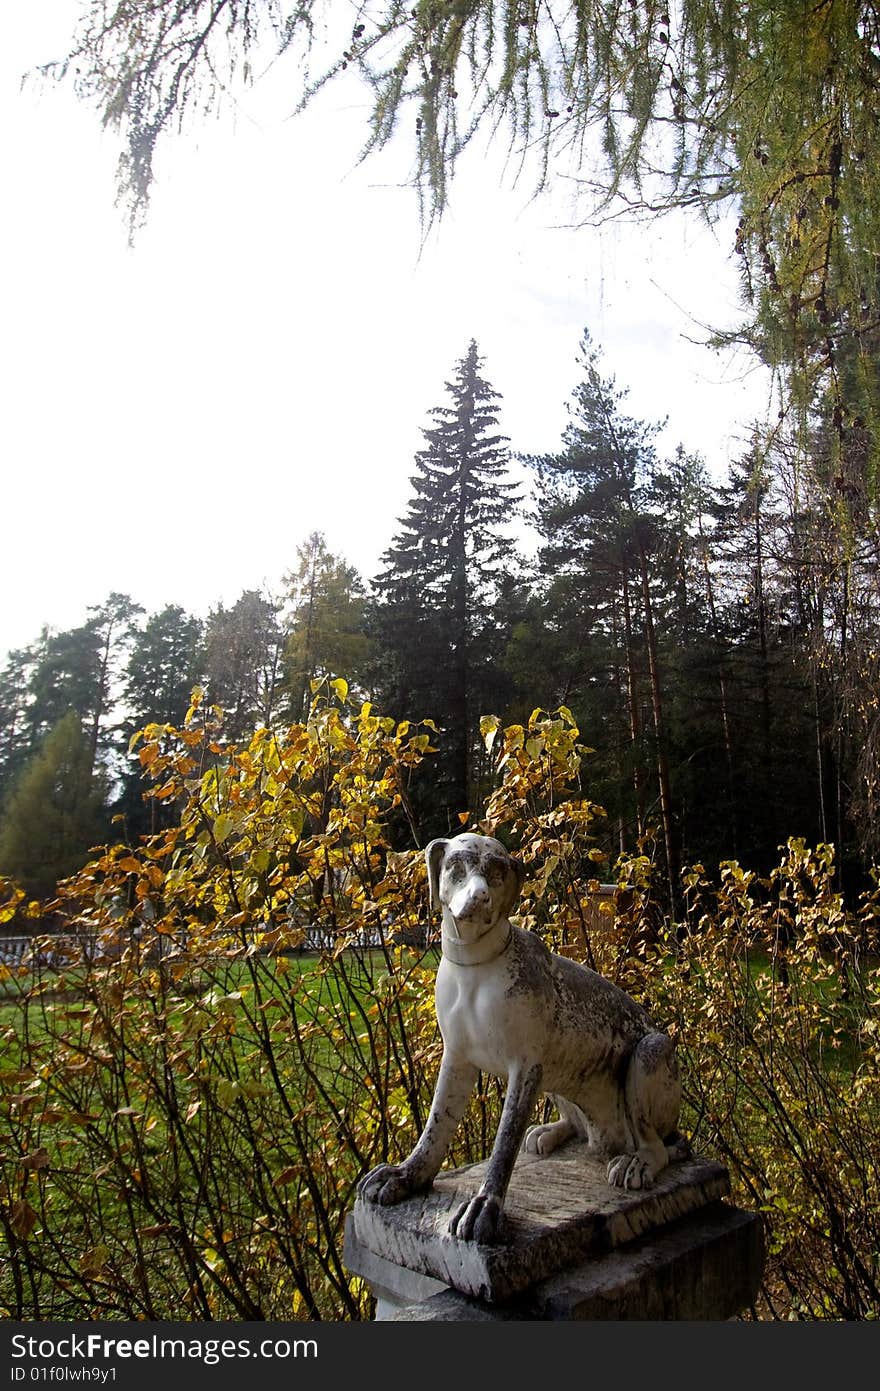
x=508, y=1006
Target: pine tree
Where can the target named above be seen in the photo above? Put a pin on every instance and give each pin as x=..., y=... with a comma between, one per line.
x=77, y=670
x=65, y=675
x=442, y=574
x=113, y=626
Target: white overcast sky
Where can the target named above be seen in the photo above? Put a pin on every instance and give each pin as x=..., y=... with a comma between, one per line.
x=177, y=417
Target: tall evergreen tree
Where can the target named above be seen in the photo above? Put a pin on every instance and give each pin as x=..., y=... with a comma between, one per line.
x=165, y=663
x=693, y=653
x=54, y=813
x=113, y=626
x=77, y=670
x=14, y=723
x=593, y=509
x=441, y=577
x=243, y=662
x=327, y=632
x=65, y=676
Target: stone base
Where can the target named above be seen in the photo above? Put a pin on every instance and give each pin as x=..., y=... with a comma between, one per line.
x=572, y=1247
x=559, y=1211
x=704, y=1267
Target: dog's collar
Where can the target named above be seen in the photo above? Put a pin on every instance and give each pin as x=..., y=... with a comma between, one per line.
x=484, y=949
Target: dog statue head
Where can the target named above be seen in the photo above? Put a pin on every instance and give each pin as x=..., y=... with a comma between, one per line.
x=476, y=882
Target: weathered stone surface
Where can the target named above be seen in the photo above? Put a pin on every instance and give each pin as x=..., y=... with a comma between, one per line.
x=392, y=1285
x=559, y=1211
x=706, y=1266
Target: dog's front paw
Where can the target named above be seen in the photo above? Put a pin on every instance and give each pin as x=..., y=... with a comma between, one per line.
x=630, y=1171
x=386, y=1184
x=478, y=1220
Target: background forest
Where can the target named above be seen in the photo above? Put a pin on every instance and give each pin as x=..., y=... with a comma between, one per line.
x=716, y=641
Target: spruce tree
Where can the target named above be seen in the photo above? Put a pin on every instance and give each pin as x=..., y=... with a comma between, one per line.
x=55, y=811
x=242, y=661
x=15, y=744
x=441, y=578
x=593, y=509
x=164, y=665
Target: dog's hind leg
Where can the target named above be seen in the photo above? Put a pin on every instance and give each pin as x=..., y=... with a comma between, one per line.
x=544, y=1139
x=653, y=1100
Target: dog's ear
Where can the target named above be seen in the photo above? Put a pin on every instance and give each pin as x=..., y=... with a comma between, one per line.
x=434, y=853
x=519, y=871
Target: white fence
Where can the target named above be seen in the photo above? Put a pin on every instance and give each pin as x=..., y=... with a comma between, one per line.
x=18, y=950
x=23, y=951
x=14, y=950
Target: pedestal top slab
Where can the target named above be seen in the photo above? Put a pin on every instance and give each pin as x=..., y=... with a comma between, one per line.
x=559, y=1211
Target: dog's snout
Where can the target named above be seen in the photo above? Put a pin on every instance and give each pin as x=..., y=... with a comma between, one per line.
x=473, y=896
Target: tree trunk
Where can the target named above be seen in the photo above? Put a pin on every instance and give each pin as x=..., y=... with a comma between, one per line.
x=663, y=779
x=764, y=676
x=635, y=723
x=725, y=713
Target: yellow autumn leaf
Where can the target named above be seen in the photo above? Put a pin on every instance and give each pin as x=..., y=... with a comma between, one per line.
x=489, y=727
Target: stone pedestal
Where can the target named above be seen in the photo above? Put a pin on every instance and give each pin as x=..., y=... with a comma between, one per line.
x=571, y=1248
